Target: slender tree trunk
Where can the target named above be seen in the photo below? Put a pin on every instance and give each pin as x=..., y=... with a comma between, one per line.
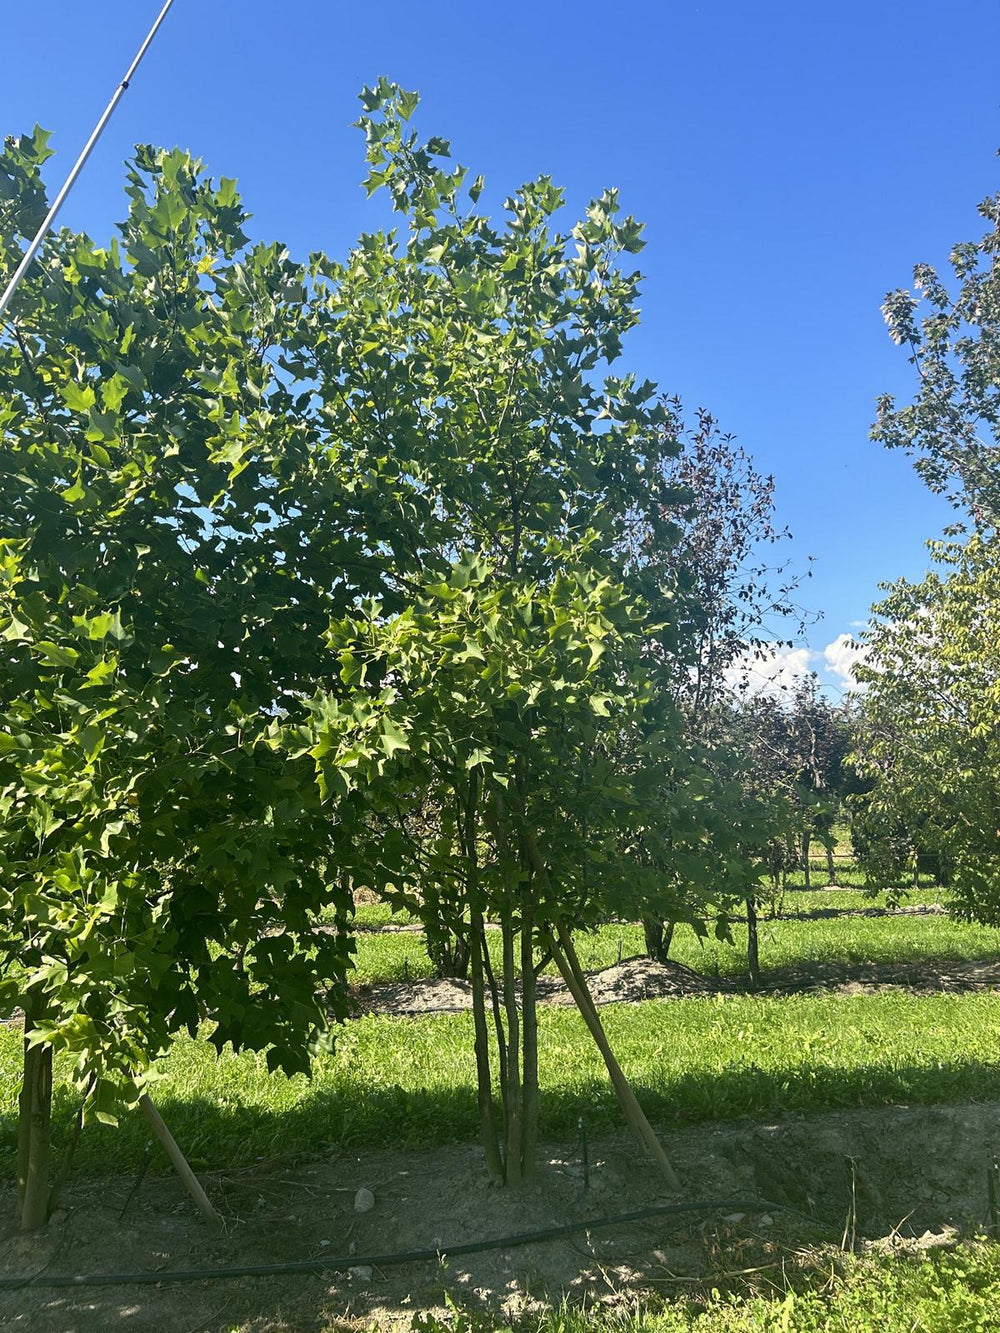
x=512, y=1089
x=658, y=935
x=66, y=1167
x=484, y=1078
x=806, y=841
x=498, y=1028
x=477, y=949
x=24, y=1103
x=753, y=949
x=569, y=965
x=529, y=1011
x=831, y=869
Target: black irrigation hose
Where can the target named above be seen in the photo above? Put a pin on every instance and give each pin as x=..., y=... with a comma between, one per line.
x=344, y=1262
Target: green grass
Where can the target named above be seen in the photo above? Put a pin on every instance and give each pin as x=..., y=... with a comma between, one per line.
x=392, y=956
x=842, y=941
x=846, y=941
x=410, y=1082
x=947, y=1292
x=845, y=873
x=371, y=916
x=811, y=900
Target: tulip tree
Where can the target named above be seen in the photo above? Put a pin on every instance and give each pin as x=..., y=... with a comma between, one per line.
x=467, y=362
x=501, y=747
x=164, y=584
x=510, y=703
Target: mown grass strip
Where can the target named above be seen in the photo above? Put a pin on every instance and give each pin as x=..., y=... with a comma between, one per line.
x=411, y=1082
x=811, y=900
x=845, y=941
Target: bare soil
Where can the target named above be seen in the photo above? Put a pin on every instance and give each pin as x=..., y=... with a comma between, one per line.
x=917, y=1172
x=640, y=978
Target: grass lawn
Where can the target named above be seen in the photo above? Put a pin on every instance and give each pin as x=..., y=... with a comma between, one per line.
x=812, y=900
x=783, y=943
x=950, y=1292
x=410, y=1082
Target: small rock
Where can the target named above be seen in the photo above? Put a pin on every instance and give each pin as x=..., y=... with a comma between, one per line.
x=734, y=1217
x=362, y=1272
x=766, y=1220
x=364, y=1200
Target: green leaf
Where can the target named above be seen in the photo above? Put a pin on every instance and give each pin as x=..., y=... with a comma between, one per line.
x=392, y=739
x=57, y=654
x=78, y=397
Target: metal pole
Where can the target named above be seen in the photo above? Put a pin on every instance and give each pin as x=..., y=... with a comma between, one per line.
x=60, y=198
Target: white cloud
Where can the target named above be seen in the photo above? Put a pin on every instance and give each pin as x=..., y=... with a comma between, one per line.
x=775, y=670
x=841, y=657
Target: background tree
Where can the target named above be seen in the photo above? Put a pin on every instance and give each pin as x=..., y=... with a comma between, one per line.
x=929, y=641
x=952, y=426
x=731, y=599
x=930, y=711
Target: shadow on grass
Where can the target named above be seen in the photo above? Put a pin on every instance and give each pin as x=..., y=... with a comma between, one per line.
x=327, y=1120
x=930, y=975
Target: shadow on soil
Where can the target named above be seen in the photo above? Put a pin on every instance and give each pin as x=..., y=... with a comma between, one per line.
x=886, y=1172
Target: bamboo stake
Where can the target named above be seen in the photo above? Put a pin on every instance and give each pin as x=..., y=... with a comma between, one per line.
x=572, y=974
x=180, y=1163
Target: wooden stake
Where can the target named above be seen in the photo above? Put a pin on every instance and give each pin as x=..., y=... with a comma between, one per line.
x=35, y=1195
x=568, y=964
x=572, y=973
x=180, y=1163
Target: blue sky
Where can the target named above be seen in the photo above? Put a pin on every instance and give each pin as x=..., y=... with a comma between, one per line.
x=791, y=161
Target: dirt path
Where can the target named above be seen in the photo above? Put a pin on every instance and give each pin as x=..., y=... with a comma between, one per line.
x=916, y=1169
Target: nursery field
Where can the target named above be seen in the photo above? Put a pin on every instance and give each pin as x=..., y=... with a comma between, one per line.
x=831, y=926
x=809, y=1053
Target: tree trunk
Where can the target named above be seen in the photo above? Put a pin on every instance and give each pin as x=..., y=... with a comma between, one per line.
x=24, y=1105
x=568, y=964
x=658, y=936
x=512, y=1088
x=753, y=949
x=477, y=950
x=806, y=841
x=484, y=1078
x=831, y=869
x=449, y=952
x=66, y=1167
x=529, y=1013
